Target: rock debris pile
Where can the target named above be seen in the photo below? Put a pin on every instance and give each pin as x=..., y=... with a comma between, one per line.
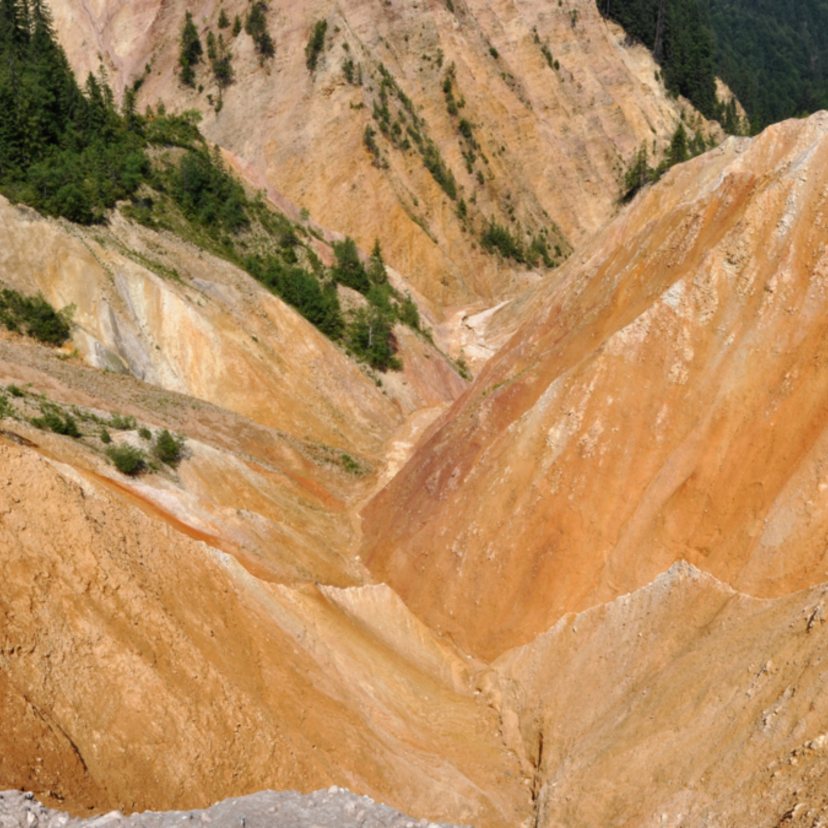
x=332, y=808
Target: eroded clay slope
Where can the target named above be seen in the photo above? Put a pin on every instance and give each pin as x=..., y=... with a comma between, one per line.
x=682, y=704
x=666, y=399
x=167, y=312
x=166, y=640
x=552, y=140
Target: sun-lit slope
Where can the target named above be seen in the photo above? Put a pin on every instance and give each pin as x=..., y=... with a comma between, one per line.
x=278, y=503
x=165, y=311
x=202, y=632
x=555, y=140
x=682, y=704
x=666, y=399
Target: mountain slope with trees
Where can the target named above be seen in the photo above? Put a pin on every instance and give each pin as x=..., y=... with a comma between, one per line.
x=70, y=152
x=773, y=55
x=679, y=34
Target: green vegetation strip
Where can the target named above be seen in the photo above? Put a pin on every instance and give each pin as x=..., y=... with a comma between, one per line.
x=69, y=152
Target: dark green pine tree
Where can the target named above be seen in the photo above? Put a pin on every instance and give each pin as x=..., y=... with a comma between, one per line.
x=678, y=152
x=190, y=52
x=376, y=266
x=62, y=151
x=348, y=269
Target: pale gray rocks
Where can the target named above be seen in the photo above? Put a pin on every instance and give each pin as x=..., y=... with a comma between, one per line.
x=333, y=808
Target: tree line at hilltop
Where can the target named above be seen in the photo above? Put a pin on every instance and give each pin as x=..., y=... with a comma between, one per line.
x=773, y=54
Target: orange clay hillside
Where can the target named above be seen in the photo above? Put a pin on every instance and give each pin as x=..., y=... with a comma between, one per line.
x=666, y=399
x=587, y=588
x=210, y=628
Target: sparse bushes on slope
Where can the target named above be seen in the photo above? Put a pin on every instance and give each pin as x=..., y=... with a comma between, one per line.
x=496, y=237
x=639, y=173
x=69, y=152
x=56, y=421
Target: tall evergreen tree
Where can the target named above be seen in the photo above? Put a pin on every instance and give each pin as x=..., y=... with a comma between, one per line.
x=190, y=52
x=678, y=152
x=376, y=266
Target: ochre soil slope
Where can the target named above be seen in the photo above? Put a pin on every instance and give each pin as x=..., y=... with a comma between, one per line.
x=246, y=621
x=231, y=624
x=192, y=634
x=555, y=141
x=665, y=399
x=683, y=704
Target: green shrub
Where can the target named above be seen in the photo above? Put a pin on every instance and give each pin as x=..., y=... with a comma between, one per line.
x=371, y=338
x=371, y=144
x=434, y=163
x=350, y=465
x=15, y=391
x=256, y=26
x=34, y=316
x=377, y=274
x=319, y=304
x=223, y=21
x=127, y=459
x=122, y=423
x=496, y=237
x=206, y=193
x=54, y=421
x=349, y=70
x=637, y=175
x=409, y=313
x=316, y=44
x=106, y=438
x=145, y=433
x=168, y=447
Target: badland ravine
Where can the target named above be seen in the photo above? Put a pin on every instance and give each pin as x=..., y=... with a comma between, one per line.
x=582, y=583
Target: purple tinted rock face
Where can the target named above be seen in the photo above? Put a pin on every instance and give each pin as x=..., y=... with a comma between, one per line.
x=333, y=808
